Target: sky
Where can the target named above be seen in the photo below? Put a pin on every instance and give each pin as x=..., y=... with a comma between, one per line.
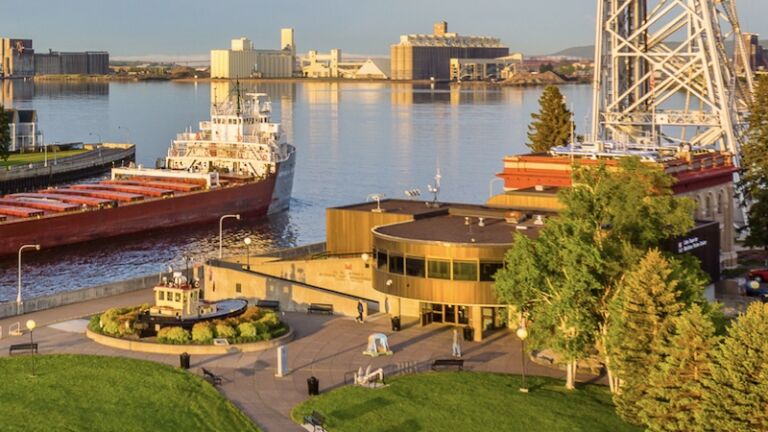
x=193, y=27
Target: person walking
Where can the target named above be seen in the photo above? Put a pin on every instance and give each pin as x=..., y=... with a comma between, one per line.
x=359, y=311
x=456, y=349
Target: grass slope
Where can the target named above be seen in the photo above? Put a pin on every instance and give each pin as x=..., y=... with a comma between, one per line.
x=79, y=393
x=36, y=157
x=466, y=401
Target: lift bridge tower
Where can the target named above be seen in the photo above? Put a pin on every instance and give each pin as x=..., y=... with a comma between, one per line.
x=665, y=78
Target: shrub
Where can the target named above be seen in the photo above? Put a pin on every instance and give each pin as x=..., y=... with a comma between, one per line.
x=223, y=330
x=270, y=319
x=202, y=333
x=109, y=322
x=94, y=324
x=253, y=313
x=247, y=330
x=173, y=335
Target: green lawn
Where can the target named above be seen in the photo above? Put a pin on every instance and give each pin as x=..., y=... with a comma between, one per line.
x=78, y=393
x=465, y=401
x=28, y=158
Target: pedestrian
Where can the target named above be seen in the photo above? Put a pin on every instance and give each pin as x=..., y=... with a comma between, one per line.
x=456, y=344
x=359, y=311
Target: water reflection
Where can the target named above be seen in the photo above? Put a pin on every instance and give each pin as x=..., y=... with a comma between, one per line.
x=352, y=139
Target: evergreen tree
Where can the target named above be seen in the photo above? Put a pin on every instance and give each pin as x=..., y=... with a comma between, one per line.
x=736, y=393
x=645, y=303
x=754, y=166
x=5, y=135
x=674, y=388
x=552, y=125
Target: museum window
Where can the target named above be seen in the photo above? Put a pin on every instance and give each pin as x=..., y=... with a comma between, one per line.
x=488, y=269
x=381, y=260
x=439, y=269
x=238, y=288
x=178, y=297
x=465, y=270
x=161, y=295
x=396, y=264
x=415, y=266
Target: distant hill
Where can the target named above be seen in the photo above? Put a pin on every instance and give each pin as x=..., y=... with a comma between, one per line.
x=588, y=51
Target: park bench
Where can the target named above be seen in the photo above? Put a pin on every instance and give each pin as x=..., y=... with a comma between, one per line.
x=269, y=304
x=316, y=420
x=30, y=348
x=320, y=308
x=459, y=363
x=212, y=377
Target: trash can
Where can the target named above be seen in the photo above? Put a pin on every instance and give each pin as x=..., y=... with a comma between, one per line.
x=184, y=360
x=396, y=323
x=469, y=333
x=313, y=386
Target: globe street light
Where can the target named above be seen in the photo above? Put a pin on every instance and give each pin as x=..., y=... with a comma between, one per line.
x=31, y=324
x=247, y=242
x=365, y=257
x=522, y=333
x=19, y=309
x=221, y=228
x=127, y=132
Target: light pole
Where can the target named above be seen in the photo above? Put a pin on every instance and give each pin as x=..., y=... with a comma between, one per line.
x=31, y=324
x=490, y=186
x=19, y=309
x=522, y=333
x=365, y=257
x=221, y=229
x=97, y=135
x=247, y=242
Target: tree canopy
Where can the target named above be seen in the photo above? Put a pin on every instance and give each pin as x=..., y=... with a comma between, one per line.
x=553, y=125
x=754, y=167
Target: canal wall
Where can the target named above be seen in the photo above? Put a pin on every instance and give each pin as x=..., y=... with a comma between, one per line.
x=8, y=309
x=100, y=160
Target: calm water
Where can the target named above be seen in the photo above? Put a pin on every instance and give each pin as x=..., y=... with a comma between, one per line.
x=353, y=139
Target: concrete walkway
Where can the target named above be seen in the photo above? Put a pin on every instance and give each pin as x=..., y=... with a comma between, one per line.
x=329, y=348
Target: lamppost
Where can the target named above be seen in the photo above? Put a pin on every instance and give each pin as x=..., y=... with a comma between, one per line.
x=366, y=258
x=19, y=309
x=31, y=324
x=97, y=135
x=221, y=229
x=247, y=242
x=522, y=333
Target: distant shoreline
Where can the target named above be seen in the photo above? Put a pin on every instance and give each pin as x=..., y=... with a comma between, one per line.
x=131, y=78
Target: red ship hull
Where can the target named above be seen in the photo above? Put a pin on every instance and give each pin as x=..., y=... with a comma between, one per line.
x=197, y=207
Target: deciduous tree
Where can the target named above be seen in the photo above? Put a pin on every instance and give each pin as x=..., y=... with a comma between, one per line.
x=736, y=393
x=553, y=125
x=754, y=167
x=674, y=388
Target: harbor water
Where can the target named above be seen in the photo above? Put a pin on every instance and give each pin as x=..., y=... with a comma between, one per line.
x=353, y=139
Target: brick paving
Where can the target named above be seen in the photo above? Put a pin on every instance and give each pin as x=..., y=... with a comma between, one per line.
x=329, y=348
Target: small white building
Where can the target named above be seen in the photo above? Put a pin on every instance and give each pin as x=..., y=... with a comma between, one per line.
x=23, y=130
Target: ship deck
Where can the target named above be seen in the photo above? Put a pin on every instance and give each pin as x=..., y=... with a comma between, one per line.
x=54, y=202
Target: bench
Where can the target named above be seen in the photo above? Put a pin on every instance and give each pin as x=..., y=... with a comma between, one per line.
x=320, y=308
x=212, y=377
x=459, y=363
x=269, y=304
x=30, y=348
x=316, y=420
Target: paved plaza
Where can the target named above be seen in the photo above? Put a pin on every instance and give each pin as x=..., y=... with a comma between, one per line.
x=327, y=347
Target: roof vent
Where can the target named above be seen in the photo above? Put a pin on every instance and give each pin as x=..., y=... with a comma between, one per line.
x=539, y=220
x=539, y=188
x=481, y=222
x=514, y=217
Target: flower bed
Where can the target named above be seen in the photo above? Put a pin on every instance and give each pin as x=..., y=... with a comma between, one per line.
x=254, y=325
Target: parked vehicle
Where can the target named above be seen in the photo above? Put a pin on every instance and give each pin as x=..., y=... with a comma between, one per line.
x=760, y=275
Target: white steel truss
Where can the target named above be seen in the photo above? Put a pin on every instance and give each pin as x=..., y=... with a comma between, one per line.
x=663, y=75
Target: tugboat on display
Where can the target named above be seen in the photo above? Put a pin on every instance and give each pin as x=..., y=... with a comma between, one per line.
x=238, y=162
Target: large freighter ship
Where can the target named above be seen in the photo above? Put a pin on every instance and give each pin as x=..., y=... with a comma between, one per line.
x=238, y=162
